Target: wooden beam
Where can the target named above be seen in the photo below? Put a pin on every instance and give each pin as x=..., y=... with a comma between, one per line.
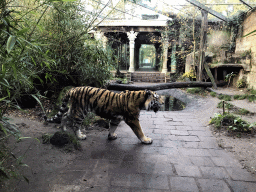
x=246, y=4
x=207, y=9
x=158, y=86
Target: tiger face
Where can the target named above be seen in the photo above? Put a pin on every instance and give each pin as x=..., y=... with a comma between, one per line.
x=153, y=102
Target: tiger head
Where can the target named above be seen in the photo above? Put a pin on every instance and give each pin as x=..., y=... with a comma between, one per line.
x=153, y=102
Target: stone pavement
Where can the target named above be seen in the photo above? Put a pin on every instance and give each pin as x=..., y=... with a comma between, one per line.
x=183, y=157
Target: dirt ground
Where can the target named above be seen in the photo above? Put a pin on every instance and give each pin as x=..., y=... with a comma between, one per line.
x=204, y=107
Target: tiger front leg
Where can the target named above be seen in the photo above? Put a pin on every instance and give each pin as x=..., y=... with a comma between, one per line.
x=112, y=135
x=135, y=126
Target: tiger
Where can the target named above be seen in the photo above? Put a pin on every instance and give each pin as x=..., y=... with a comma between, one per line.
x=106, y=104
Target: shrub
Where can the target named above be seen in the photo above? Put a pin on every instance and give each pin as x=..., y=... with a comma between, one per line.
x=194, y=90
x=240, y=97
x=232, y=123
x=227, y=105
x=213, y=94
x=243, y=112
x=241, y=83
x=251, y=98
x=224, y=97
x=189, y=75
x=253, y=92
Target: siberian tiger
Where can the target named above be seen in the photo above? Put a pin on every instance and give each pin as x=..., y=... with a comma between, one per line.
x=106, y=104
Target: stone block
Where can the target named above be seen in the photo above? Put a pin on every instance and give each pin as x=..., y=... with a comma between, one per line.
x=214, y=172
x=183, y=184
x=188, y=171
x=211, y=185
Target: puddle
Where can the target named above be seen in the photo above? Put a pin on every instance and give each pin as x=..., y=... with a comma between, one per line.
x=172, y=104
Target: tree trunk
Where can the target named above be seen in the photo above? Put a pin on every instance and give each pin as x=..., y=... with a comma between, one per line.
x=158, y=86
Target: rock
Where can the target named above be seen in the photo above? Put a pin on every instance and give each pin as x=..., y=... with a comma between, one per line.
x=60, y=138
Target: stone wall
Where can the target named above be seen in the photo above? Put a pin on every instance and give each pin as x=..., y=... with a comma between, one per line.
x=249, y=43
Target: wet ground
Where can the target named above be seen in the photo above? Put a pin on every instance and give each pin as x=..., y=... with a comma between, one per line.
x=185, y=156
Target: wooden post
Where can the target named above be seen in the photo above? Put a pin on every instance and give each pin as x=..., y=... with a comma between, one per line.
x=203, y=34
x=203, y=37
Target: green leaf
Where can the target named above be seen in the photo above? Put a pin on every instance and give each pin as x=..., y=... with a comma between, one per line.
x=3, y=129
x=21, y=138
x=22, y=31
x=47, y=64
x=10, y=43
x=254, y=31
x=36, y=98
x=14, y=71
x=3, y=98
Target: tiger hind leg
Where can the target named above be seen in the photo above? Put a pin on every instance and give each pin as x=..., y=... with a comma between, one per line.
x=77, y=120
x=112, y=128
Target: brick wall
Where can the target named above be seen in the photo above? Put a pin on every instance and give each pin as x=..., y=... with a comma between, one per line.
x=249, y=43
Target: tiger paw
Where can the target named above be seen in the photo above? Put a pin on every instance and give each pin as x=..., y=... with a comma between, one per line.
x=112, y=137
x=80, y=135
x=147, y=140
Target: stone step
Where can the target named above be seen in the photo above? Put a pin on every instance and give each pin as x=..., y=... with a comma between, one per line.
x=148, y=77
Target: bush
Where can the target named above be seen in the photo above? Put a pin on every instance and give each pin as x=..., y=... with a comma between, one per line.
x=213, y=94
x=227, y=105
x=243, y=112
x=251, y=98
x=195, y=90
x=241, y=83
x=224, y=97
x=240, y=97
x=253, y=92
x=189, y=75
x=232, y=123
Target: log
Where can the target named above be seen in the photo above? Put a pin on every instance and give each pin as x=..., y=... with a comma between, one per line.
x=158, y=86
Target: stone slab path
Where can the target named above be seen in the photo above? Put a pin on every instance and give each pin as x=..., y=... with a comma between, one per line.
x=183, y=157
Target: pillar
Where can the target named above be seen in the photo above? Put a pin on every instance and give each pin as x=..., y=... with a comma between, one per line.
x=99, y=36
x=173, y=58
x=165, y=53
x=132, y=36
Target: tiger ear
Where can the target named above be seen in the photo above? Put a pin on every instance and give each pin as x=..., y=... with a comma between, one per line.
x=148, y=92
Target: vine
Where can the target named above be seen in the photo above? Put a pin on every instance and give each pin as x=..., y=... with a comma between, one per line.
x=233, y=25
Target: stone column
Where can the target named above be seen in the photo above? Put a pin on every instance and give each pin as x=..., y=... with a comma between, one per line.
x=165, y=53
x=99, y=36
x=132, y=36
